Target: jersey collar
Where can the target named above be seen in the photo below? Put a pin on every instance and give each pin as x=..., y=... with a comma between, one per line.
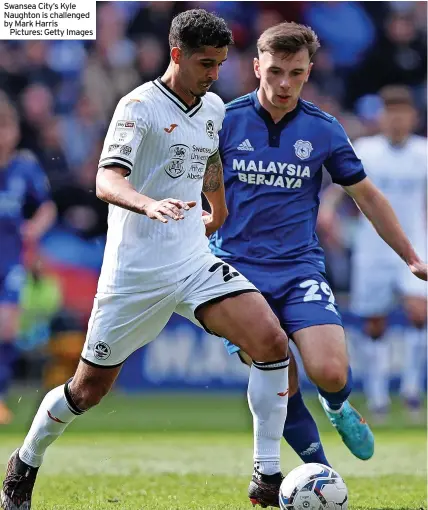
x=274, y=129
x=176, y=99
x=265, y=115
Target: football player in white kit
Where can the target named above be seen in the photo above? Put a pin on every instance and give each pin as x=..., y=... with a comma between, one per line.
x=396, y=162
x=163, y=142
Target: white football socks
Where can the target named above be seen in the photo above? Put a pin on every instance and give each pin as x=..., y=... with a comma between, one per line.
x=54, y=414
x=268, y=399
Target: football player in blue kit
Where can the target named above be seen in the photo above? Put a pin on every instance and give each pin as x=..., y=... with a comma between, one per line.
x=22, y=181
x=273, y=146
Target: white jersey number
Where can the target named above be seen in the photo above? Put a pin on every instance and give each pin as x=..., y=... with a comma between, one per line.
x=312, y=293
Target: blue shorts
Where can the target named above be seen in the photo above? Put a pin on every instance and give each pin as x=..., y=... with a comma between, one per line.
x=298, y=294
x=12, y=279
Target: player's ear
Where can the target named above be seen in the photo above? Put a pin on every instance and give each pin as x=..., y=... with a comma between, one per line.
x=309, y=72
x=256, y=64
x=176, y=54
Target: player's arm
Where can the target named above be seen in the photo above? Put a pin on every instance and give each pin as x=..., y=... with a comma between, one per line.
x=41, y=221
x=38, y=192
x=347, y=170
x=379, y=212
x=126, y=133
x=113, y=187
x=213, y=189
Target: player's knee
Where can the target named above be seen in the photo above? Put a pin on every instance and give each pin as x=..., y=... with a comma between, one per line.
x=272, y=345
x=331, y=375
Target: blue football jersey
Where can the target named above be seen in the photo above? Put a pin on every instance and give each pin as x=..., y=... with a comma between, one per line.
x=273, y=175
x=21, y=181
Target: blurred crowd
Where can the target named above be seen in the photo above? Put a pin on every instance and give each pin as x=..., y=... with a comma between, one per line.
x=66, y=92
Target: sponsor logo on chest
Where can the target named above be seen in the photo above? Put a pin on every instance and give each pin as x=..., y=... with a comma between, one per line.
x=272, y=173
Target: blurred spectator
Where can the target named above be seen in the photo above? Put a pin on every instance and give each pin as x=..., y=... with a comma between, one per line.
x=79, y=209
x=344, y=29
x=81, y=131
x=151, y=58
x=398, y=58
x=40, y=301
x=36, y=66
x=52, y=157
x=37, y=106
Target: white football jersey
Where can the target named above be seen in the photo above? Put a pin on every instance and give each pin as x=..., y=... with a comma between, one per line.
x=165, y=146
x=400, y=172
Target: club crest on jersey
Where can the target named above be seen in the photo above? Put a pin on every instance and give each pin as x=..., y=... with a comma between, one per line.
x=209, y=126
x=303, y=149
x=178, y=154
x=101, y=350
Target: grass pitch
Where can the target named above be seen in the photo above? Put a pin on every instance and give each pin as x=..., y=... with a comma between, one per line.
x=168, y=452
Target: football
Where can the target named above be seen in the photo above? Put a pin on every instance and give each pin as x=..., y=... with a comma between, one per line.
x=313, y=487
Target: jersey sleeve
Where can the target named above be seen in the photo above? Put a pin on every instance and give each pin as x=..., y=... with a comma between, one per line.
x=127, y=130
x=343, y=164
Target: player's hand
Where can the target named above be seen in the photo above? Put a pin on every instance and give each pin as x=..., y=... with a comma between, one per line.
x=211, y=225
x=419, y=269
x=170, y=207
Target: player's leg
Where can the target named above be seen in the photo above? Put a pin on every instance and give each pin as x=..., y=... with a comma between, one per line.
x=311, y=317
x=376, y=359
x=372, y=298
x=9, y=324
x=229, y=306
x=247, y=321
x=300, y=430
x=324, y=355
x=414, y=353
x=10, y=287
x=58, y=409
x=119, y=325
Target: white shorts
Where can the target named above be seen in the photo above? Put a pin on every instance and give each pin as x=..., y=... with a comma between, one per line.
x=377, y=284
x=122, y=323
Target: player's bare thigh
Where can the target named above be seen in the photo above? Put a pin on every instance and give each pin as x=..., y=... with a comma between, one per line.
x=90, y=384
x=9, y=321
x=247, y=321
x=324, y=355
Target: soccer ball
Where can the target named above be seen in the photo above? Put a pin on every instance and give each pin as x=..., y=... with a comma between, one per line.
x=313, y=487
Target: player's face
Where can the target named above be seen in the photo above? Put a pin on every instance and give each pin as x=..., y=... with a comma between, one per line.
x=282, y=77
x=200, y=70
x=9, y=131
x=398, y=121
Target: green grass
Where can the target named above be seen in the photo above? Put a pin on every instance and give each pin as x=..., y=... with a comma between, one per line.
x=180, y=452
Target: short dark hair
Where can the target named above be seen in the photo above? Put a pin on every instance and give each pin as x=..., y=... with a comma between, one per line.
x=195, y=28
x=288, y=37
x=396, y=94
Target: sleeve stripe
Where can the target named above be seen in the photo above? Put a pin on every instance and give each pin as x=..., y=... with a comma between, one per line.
x=352, y=179
x=115, y=159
